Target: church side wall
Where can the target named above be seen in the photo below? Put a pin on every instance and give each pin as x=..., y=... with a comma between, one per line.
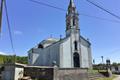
x=65, y=54
x=33, y=56
x=90, y=57
x=52, y=54
x=39, y=59
x=46, y=56
x=86, y=54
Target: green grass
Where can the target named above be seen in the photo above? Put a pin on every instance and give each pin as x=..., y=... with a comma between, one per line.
x=107, y=78
x=96, y=71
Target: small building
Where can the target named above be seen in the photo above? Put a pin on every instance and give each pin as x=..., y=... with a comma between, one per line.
x=69, y=52
x=115, y=69
x=13, y=71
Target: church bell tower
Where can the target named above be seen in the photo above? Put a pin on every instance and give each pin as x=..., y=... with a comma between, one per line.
x=73, y=32
x=72, y=20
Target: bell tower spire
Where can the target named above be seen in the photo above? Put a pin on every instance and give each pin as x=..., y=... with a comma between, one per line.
x=72, y=19
x=72, y=3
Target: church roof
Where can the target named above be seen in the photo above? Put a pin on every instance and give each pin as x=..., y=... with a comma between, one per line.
x=83, y=41
x=86, y=40
x=49, y=40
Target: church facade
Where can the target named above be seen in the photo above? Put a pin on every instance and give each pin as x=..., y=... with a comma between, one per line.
x=73, y=51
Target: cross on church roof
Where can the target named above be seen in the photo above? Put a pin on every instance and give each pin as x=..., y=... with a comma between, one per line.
x=72, y=3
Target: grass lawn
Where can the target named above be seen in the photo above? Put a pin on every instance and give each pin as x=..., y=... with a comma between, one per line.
x=107, y=78
x=96, y=71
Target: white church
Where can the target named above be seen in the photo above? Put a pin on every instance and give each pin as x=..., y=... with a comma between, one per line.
x=73, y=51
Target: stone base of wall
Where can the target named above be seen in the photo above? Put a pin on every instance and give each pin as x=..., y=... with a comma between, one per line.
x=51, y=73
x=60, y=73
x=70, y=74
x=40, y=73
x=56, y=73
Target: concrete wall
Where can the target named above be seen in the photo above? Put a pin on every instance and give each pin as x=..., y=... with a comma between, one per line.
x=33, y=58
x=65, y=54
x=39, y=73
x=56, y=73
x=84, y=54
x=115, y=69
x=70, y=74
x=12, y=72
x=18, y=73
x=8, y=73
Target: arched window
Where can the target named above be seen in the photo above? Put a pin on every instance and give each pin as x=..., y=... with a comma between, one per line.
x=40, y=46
x=75, y=45
x=74, y=22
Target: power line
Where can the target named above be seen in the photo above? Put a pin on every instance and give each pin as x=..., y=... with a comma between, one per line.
x=100, y=7
x=100, y=18
x=9, y=28
x=1, y=11
x=48, y=5
x=61, y=9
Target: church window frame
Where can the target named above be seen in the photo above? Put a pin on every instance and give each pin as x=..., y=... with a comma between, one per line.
x=76, y=45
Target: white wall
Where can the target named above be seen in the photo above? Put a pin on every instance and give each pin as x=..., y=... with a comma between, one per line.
x=66, y=55
x=84, y=54
x=62, y=53
x=18, y=73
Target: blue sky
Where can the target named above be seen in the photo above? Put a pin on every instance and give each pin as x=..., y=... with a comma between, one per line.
x=31, y=23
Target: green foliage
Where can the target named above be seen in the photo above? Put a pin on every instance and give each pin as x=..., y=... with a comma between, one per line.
x=114, y=64
x=23, y=60
x=12, y=59
x=1, y=59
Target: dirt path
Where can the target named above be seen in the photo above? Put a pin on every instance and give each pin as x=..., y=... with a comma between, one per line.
x=117, y=78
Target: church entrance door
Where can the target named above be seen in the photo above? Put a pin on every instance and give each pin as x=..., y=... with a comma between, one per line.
x=76, y=60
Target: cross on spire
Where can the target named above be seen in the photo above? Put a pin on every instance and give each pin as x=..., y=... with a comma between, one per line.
x=71, y=3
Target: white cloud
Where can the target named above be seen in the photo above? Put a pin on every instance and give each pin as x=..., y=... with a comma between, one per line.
x=5, y=53
x=16, y=32
x=2, y=53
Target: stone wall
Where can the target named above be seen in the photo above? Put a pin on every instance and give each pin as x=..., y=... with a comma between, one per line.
x=14, y=72
x=56, y=73
x=70, y=74
x=39, y=73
